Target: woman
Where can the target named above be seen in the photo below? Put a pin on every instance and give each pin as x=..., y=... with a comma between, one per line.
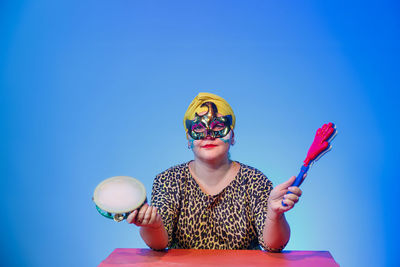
x=213, y=202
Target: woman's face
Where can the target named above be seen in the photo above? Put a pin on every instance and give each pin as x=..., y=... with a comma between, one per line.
x=211, y=149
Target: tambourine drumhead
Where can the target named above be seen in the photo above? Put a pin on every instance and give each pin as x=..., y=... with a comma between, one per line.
x=119, y=194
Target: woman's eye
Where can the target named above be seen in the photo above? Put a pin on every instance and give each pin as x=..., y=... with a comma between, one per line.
x=218, y=127
x=198, y=128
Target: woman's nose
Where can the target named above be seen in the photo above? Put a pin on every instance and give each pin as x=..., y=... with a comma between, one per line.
x=209, y=135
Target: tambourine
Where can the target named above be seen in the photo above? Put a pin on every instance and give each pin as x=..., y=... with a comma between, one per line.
x=118, y=196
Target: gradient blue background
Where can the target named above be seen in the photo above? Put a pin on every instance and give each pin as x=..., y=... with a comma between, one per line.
x=85, y=84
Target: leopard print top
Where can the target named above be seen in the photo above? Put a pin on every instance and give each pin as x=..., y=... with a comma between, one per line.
x=232, y=219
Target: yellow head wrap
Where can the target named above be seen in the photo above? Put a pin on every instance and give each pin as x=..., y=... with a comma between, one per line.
x=223, y=107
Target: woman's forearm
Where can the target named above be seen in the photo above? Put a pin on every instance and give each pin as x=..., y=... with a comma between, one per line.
x=156, y=238
x=276, y=232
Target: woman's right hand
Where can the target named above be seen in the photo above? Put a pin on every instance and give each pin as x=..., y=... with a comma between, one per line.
x=146, y=216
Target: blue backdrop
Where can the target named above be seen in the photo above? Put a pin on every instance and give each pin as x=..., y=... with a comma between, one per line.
x=85, y=84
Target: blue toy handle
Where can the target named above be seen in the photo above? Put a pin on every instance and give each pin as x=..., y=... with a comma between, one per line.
x=299, y=179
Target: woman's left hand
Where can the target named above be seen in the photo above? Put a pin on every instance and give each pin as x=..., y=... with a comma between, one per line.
x=279, y=194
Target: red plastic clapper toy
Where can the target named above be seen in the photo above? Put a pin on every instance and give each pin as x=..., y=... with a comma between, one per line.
x=319, y=147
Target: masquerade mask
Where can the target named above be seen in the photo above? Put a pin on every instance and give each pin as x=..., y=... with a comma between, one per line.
x=209, y=124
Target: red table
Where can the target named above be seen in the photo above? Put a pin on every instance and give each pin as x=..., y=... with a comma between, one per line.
x=199, y=257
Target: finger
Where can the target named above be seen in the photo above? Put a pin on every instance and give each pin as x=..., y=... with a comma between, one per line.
x=147, y=215
x=331, y=129
x=289, y=203
x=328, y=131
x=292, y=197
x=295, y=190
x=286, y=184
x=324, y=127
x=325, y=145
x=131, y=217
x=142, y=212
x=153, y=216
x=158, y=219
x=134, y=216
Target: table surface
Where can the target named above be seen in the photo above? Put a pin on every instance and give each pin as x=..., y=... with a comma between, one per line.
x=202, y=257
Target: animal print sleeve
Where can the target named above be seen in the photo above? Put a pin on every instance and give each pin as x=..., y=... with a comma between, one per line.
x=165, y=198
x=261, y=189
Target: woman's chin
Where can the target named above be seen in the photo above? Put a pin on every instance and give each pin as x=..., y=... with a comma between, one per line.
x=211, y=156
